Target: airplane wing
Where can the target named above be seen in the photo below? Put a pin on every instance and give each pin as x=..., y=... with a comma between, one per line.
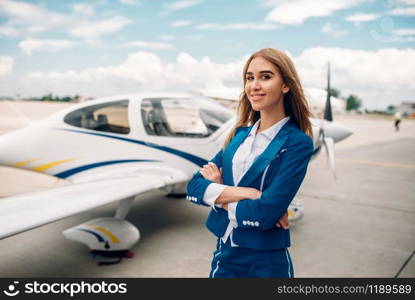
x=28, y=211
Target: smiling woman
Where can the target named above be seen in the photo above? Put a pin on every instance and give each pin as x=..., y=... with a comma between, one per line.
x=251, y=181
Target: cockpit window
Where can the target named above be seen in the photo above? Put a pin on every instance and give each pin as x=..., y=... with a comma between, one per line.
x=183, y=117
x=108, y=117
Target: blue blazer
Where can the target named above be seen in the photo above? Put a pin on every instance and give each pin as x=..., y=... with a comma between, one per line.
x=278, y=172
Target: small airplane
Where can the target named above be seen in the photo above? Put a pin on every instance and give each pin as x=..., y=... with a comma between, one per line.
x=116, y=149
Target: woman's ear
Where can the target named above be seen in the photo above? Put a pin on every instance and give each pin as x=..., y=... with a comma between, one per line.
x=285, y=88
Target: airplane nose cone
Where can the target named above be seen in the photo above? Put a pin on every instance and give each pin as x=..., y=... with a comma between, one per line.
x=336, y=131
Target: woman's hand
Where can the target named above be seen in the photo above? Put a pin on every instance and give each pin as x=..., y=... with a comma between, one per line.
x=283, y=222
x=212, y=173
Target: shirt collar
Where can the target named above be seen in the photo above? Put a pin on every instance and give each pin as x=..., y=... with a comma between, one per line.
x=271, y=132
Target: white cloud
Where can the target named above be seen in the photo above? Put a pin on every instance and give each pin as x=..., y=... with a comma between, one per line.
x=403, y=11
x=140, y=72
x=6, y=65
x=297, y=11
x=22, y=10
x=130, y=2
x=358, y=18
x=178, y=5
x=95, y=29
x=181, y=23
x=149, y=45
x=36, y=29
x=379, y=77
x=333, y=30
x=8, y=31
x=405, y=31
x=237, y=26
x=84, y=9
x=29, y=45
x=25, y=19
x=22, y=16
x=406, y=1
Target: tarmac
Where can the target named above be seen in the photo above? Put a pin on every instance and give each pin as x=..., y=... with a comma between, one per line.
x=361, y=224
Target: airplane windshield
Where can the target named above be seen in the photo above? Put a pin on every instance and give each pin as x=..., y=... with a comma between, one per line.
x=183, y=117
x=109, y=117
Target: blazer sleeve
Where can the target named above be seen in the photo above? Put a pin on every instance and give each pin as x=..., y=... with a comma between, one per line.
x=197, y=185
x=266, y=211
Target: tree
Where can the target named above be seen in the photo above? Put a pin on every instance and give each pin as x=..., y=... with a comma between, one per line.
x=353, y=102
x=334, y=92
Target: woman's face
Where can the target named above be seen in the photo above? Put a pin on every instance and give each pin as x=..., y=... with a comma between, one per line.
x=264, y=86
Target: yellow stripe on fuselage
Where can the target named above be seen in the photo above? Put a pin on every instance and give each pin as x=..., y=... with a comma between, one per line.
x=25, y=162
x=113, y=238
x=45, y=167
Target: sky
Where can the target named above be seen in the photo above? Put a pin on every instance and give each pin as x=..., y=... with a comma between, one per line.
x=107, y=47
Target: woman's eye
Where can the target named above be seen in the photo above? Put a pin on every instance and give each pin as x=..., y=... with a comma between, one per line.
x=266, y=77
x=249, y=78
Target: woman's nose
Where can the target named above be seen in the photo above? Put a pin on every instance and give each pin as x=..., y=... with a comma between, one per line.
x=256, y=85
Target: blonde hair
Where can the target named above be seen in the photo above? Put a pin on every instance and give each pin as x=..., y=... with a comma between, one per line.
x=295, y=103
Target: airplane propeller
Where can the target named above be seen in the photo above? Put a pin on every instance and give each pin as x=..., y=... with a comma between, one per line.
x=329, y=146
x=328, y=141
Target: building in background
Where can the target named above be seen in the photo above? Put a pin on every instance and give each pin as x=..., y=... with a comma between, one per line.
x=407, y=109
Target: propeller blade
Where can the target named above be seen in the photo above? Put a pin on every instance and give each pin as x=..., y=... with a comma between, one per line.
x=329, y=145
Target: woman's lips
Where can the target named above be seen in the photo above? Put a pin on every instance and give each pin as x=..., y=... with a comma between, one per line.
x=257, y=97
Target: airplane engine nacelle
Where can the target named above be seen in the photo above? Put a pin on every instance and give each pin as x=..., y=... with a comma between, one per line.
x=295, y=211
x=104, y=234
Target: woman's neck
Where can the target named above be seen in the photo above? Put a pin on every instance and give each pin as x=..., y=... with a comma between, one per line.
x=271, y=116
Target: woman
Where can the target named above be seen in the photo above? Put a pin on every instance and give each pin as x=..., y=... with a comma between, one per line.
x=252, y=180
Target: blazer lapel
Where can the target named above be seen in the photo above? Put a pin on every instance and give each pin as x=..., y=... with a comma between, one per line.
x=265, y=158
x=230, y=152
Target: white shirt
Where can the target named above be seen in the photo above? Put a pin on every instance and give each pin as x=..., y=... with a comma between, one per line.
x=244, y=157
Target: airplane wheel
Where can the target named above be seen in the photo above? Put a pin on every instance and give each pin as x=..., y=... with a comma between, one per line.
x=174, y=195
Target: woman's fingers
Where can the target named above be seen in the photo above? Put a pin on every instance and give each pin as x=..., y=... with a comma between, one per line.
x=207, y=172
x=203, y=173
x=217, y=174
x=213, y=167
x=283, y=222
x=211, y=172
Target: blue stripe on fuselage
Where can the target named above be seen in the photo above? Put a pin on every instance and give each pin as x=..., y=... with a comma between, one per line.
x=73, y=171
x=190, y=157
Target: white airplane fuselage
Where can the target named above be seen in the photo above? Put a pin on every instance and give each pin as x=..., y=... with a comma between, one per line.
x=55, y=147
